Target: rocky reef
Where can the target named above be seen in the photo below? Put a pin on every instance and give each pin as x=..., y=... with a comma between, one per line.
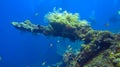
x=100, y=48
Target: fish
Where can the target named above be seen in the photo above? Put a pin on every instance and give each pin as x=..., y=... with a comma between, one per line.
x=106, y=24
x=51, y=45
x=43, y=64
x=36, y=14
x=58, y=41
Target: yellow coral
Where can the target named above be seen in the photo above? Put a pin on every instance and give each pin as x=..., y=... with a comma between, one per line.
x=66, y=18
x=86, y=47
x=111, y=55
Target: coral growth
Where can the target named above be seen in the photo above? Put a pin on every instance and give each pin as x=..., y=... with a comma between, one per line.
x=100, y=48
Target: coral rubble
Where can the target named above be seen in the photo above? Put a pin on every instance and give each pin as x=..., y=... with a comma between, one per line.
x=100, y=48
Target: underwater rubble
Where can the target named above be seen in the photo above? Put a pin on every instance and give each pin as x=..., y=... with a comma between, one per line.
x=100, y=48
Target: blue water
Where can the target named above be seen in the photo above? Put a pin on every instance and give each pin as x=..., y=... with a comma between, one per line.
x=23, y=49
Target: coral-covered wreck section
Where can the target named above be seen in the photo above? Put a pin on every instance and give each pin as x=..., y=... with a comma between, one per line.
x=29, y=27
x=100, y=48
